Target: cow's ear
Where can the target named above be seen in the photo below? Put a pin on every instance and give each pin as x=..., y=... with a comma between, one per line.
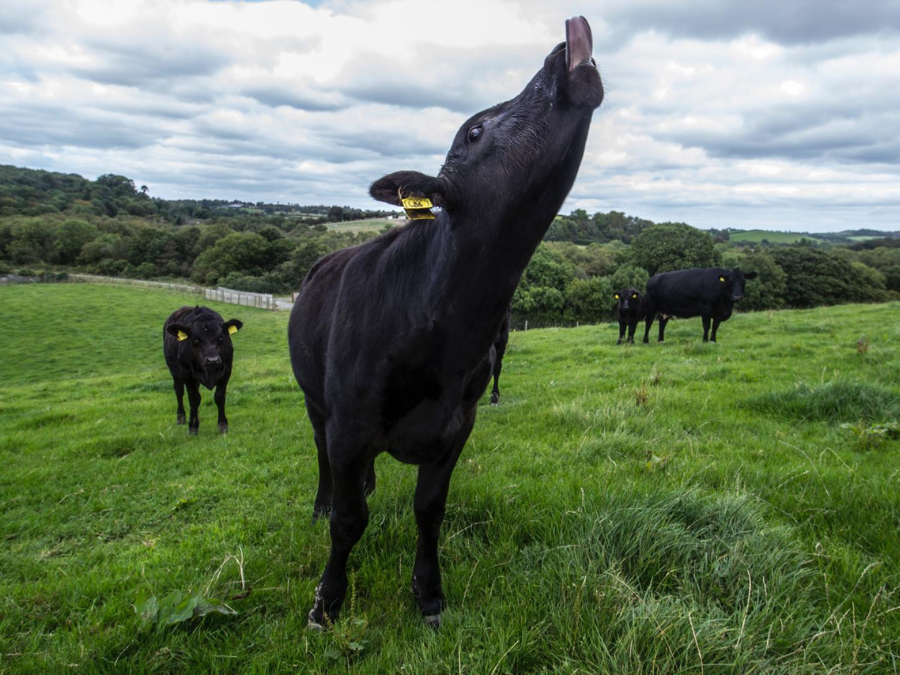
x=233, y=325
x=750, y=275
x=178, y=331
x=404, y=184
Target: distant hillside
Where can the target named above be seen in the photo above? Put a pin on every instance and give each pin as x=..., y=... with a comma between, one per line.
x=31, y=192
x=760, y=236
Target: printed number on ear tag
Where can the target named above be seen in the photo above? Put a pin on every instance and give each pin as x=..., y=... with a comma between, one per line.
x=182, y=336
x=418, y=208
x=232, y=330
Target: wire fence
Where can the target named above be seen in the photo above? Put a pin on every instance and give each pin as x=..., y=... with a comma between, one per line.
x=233, y=297
x=226, y=295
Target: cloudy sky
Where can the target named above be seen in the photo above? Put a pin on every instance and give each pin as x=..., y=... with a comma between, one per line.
x=777, y=114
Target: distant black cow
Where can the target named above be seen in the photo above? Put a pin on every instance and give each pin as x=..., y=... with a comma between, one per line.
x=392, y=341
x=709, y=293
x=500, y=347
x=631, y=308
x=198, y=350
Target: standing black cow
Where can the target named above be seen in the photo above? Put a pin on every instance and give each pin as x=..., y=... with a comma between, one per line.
x=198, y=350
x=630, y=308
x=391, y=341
x=708, y=292
x=500, y=344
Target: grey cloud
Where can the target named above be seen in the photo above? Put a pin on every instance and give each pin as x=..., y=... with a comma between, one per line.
x=18, y=17
x=274, y=96
x=135, y=63
x=38, y=125
x=793, y=22
x=429, y=81
x=802, y=138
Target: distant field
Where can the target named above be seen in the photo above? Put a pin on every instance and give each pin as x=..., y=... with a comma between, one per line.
x=370, y=225
x=674, y=508
x=756, y=236
x=863, y=238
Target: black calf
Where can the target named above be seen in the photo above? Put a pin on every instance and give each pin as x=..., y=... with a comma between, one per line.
x=630, y=309
x=391, y=341
x=198, y=350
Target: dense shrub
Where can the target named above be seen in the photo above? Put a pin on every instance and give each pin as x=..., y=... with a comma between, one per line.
x=673, y=246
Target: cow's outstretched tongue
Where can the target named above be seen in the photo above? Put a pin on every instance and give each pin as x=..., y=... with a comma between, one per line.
x=579, y=42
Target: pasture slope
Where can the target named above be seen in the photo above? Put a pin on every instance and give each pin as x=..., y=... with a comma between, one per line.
x=757, y=236
x=656, y=508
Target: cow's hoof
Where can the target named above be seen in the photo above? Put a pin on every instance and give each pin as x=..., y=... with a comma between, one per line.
x=495, y=399
x=312, y=624
x=223, y=428
x=193, y=431
x=433, y=621
x=181, y=419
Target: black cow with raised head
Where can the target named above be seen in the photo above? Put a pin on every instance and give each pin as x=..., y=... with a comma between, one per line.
x=392, y=341
x=198, y=350
x=708, y=292
x=630, y=310
x=500, y=343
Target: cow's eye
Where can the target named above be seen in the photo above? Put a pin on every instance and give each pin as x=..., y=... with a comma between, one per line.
x=475, y=133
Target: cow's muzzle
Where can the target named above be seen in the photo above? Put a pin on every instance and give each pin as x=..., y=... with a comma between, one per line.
x=214, y=360
x=737, y=298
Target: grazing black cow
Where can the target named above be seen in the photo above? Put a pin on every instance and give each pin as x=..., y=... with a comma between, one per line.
x=198, y=350
x=631, y=309
x=500, y=348
x=391, y=341
x=708, y=292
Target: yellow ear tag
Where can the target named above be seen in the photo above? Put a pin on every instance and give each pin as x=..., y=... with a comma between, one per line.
x=722, y=279
x=617, y=296
x=182, y=336
x=418, y=208
x=232, y=330
x=634, y=295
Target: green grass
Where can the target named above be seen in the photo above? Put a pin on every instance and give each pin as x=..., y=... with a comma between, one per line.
x=683, y=507
x=756, y=236
x=368, y=225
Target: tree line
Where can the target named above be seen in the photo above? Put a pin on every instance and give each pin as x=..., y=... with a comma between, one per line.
x=56, y=222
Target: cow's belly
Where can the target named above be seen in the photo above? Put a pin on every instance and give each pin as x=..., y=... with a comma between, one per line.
x=425, y=433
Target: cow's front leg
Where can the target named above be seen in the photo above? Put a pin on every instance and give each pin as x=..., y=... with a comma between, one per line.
x=349, y=518
x=220, y=404
x=663, y=320
x=622, y=327
x=648, y=323
x=179, y=394
x=495, y=392
x=430, y=505
x=193, y=391
x=715, y=327
x=631, y=328
x=706, y=319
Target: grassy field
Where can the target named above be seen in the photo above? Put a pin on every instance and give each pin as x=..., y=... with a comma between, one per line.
x=756, y=236
x=656, y=508
x=369, y=225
